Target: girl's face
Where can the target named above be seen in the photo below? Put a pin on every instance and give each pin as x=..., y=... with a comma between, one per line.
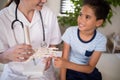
x=35, y=4
x=87, y=19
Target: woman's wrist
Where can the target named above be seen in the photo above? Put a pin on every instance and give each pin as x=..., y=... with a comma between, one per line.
x=3, y=58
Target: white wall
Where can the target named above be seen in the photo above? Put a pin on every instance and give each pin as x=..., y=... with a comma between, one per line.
x=54, y=5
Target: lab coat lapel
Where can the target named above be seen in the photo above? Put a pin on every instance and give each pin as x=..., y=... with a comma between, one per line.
x=22, y=18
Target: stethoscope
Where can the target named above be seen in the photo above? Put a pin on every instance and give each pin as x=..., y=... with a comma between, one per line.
x=43, y=44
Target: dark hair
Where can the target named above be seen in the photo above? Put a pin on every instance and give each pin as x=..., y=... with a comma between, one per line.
x=100, y=7
x=10, y=1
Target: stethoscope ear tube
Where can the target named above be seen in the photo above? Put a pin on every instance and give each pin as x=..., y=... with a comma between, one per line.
x=42, y=26
x=16, y=20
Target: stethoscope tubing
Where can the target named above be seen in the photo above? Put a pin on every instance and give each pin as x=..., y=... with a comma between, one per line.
x=17, y=20
x=42, y=26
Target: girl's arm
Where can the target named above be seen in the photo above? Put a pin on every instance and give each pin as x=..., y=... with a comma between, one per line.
x=84, y=68
x=65, y=54
x=64, y=63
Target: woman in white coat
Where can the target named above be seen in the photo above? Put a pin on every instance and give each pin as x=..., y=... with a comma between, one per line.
x=43, y=26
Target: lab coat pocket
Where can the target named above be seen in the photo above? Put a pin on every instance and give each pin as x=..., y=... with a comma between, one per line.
x=88, y=53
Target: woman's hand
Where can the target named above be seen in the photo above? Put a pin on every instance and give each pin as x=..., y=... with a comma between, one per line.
x=18, y=53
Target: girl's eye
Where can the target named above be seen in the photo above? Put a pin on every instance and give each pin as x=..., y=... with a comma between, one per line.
x=87, y=17
x=80, y=14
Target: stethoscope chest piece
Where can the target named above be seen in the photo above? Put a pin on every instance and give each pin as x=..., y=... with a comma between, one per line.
x=43, y=44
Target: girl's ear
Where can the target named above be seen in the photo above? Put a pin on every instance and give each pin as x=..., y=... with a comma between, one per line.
x=99, y=22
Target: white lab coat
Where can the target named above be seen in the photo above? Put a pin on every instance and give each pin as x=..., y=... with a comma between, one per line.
x=13, y=70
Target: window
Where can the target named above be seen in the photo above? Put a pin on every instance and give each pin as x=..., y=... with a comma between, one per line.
x=66, y=5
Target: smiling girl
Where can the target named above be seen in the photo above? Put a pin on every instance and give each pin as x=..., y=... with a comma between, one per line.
x=83, y=45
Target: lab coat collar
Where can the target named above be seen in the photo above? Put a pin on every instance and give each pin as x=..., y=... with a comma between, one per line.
x=21, y=17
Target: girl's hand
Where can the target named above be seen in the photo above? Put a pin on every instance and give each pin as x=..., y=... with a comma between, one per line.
x=60, y=62
x=18, y=53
